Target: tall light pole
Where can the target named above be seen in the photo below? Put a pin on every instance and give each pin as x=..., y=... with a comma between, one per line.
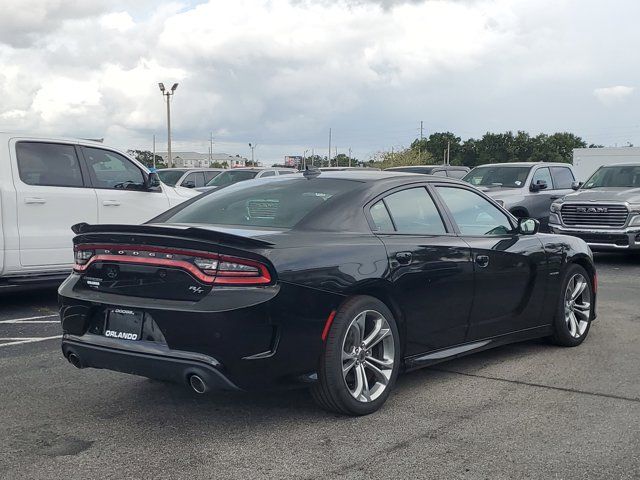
x=304, y=158
x=252, y=147
x=168, y=94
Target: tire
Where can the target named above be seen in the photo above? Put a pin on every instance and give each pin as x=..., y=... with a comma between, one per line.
x=573, y=315
x=350, y=394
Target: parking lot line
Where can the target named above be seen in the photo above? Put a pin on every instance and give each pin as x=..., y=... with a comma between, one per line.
x=38, y=319
x=18, y=341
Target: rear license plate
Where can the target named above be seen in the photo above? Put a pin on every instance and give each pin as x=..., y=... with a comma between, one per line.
x=124, y=324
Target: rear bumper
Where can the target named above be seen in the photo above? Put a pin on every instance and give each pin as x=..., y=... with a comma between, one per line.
x=601, y=239
x=177, y=367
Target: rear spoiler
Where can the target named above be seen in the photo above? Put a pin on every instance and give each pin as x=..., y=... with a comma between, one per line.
x=194, y=233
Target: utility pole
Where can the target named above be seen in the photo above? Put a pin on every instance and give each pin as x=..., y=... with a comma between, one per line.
x=420, y=144
x=154, y=150
x=448, y=153
x=211, y=148
x=329, y=157
x=392, y=161
x=168, y=94
x=313, y=154
x=304, y=159
x=349, y=156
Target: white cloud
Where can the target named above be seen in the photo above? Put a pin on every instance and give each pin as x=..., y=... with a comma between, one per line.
x=613, y=95
x=281, y=72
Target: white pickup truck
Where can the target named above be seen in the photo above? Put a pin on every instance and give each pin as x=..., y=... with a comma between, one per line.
x=49, y=184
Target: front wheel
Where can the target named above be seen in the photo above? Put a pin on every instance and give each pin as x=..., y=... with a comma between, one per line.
x=574, y=311
x=361, y=358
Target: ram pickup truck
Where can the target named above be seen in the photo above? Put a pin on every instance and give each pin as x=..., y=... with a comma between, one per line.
x=49, y=184
x=526, y=189
x=604, y=211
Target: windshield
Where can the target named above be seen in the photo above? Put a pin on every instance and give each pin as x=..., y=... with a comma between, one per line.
x=230, y=177
x=277, y=202
x=170, y=177
x=497, y=176
x=623, y=176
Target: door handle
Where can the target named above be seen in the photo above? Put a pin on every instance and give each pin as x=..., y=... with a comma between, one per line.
x=482, y=260
x=556, y=197
x=111, y=203
x=404, y=257
x=37, y=200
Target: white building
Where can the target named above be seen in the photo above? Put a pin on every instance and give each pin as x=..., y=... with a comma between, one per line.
x=588, y=160
x=203, y=160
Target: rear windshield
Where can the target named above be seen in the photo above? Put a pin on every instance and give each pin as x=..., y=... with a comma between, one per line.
x=424, y=170
x=279, y=202
x=230, y=177
x=170, y=177
x=623, y=176
x=508, y=177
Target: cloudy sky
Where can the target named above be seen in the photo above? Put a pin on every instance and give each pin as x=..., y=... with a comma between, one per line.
x=280, y=73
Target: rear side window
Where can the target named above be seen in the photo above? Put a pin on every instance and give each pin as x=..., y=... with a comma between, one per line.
x=413, y=211
x=112, y=170
x=562, y=177
x=381, y=218
x=48, y=164
x=268, y=173
x=440, y=173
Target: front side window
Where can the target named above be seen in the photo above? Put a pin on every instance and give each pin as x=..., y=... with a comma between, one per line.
x=230, y=177
x=210, y=175
x=543, y=174
x=456, y=173
x=48, y=164
x=268, y=173
x=414, y=212
x=112, y=170
x=562, y=177
x=194, y=179
x=170, y=177
x=473, y=214
x=498, y=176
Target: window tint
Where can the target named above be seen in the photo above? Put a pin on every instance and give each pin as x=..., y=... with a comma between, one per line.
x=209, y=175
x=170, y=177
x=194, y=179
x=268, y=173
x=279, y=203
x=381, y=217
x=285, y=172
x=48, y=164
x=498, y=176
x=544, y=175
x=112, y=170
x=456, y=173
x=562, y=177
x=473, y=214
x=413, y=211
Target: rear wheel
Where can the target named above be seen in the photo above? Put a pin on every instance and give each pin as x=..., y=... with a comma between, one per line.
x=574, y=311
x=361, y=358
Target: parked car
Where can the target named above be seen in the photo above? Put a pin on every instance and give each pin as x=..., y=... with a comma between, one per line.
x=604, y=211
x=333, y=280
x=526, y=189
x=453, y=171
x=188, y=177
x=235, y=175
x=48, y=184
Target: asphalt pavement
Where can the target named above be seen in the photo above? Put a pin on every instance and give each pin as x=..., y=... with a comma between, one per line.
x=529, y=410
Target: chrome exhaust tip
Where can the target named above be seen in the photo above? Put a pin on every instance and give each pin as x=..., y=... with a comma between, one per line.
x=74, y=360
x=197, y=384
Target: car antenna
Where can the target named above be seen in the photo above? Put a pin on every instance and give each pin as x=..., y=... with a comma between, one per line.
x=311, y=172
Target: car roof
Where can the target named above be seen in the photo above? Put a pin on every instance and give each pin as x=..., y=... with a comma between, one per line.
x=526, y=164
x=431, y=167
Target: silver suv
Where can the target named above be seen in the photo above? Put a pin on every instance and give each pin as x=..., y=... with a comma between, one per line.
x=526, y=189
x=604, y=211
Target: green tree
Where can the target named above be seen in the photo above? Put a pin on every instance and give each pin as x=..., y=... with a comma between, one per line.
x=146, y=158
x=218, y=165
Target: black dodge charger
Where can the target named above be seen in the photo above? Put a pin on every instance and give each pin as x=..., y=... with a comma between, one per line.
x=333, y=280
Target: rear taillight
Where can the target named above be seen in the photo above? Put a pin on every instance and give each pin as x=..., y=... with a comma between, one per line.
x=207, y=267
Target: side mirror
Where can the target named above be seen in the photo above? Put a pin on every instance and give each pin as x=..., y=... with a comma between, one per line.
x=528, y=226
x=539, y=185
x=189, y=184
x=576, y=185
x=151, y=181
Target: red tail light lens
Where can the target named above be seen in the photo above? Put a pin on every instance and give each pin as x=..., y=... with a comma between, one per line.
x=207, y=267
